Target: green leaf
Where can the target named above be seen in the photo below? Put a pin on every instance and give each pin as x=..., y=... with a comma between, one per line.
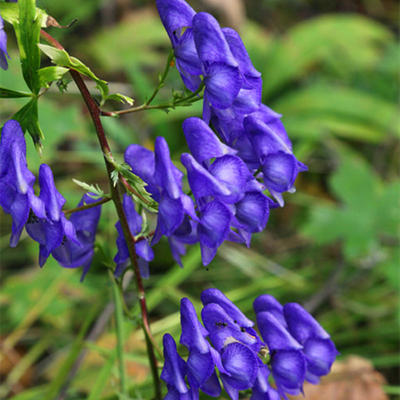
x=28, y=33
x=50, y=74
x=337, y=109
x=63, y=59
x=120, y=98
x=95, y=189
x=12, y=94
x=27, y=116
x=320, y=41
x=10, y=13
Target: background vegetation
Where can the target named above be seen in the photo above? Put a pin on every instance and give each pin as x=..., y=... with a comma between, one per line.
x=331, y=68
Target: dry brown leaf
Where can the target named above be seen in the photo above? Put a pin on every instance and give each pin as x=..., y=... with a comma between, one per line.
x=351, y=379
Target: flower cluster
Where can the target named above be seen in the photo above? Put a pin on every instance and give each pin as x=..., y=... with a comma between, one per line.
x=293, y=347
x=228, y=171
x=3, y=46
x=69, y=241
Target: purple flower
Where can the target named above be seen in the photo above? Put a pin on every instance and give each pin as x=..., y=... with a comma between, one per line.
x=234, y=348
x=3, y=46
x=319, y=350
x=142, y=247
x=71, y=254
x=50, y=231
x=17, y=197
x=177, y=16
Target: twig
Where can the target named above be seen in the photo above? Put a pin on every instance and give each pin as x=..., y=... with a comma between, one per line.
x=88, y=206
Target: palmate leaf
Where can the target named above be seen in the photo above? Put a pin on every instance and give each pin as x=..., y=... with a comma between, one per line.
x=12, y=94
x=368, y=210
x=50, y=74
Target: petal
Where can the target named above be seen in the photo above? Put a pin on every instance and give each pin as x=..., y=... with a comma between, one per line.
x=202, y=141
x=174, y=370
x=240, y=53
x=49, y=194
x=233, y=173
x=301, y=323
x=166, y=174
x=178, y=249
x=200, y=368
x=223, y=83
x=213, y=295
x=214, y=224
x=274, y=334
x=207, y=253
x=133, y=218
x=241, y=364
x=20, y=213
x=192, y=82
x=266, y=302
x=280, y=171
x=247, y=100
x=320, y=355
x=193, y=333
x=23, y=177
x=186, y=54
x=170, y=215
x=144, y=250
x=175, y=15
x=201, y=181
x=212, y=386
x=252, y=211
x=210, y=41
x=289, y=369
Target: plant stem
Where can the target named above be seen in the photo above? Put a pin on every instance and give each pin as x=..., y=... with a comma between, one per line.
x=130, y=241
x=119, y=320
x=88, y=206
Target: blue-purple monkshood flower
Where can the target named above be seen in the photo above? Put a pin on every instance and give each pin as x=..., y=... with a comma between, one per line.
x=3, y=46
x=174, y=372
x=164, y=183
x=71, y=254
x=319, y=350
x=143, y=250
x=228, y=343
x=17, y=196
x=50, y=231
x=177, y=16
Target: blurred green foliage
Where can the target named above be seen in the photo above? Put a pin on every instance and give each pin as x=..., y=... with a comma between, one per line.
x=334, y=247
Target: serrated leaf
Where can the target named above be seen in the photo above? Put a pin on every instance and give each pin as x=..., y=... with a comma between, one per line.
x=63, y=59
x=10, y=13
x=27, y=116
x=50, y=74
x=120, y=98
x=12, y=94
x=90, y=188
x=27, y=30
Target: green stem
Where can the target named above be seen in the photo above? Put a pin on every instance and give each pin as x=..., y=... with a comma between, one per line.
x=87, y=206
x=119, y=321
x=162, y=78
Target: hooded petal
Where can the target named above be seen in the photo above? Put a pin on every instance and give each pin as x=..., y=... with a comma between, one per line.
x=170, y=215
x=175, y=15
x=266, y=302
x=166, y=175
x=301, y=324
x=200, y=368
x=274, y=334
x=174, y=370
x=213, y=295
x=186, y=54
x=201, y=182
x=210, y=41
x=240, y=53
x=202, y=141
x=193, y=333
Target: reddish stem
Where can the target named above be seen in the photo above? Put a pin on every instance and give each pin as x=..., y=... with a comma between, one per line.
x=95, y=113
